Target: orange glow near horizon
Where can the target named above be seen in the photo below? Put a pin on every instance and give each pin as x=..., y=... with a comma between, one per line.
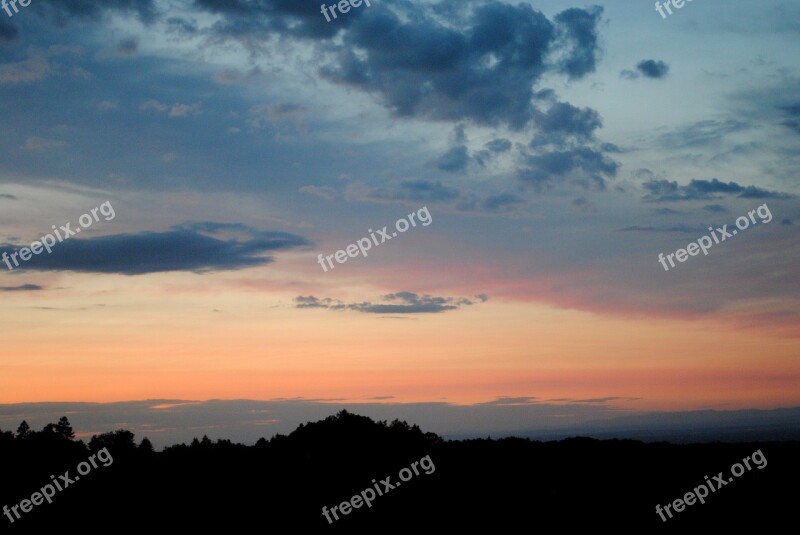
x=139, y=347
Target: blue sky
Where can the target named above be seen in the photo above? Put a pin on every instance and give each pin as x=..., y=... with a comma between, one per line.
x=559, y=147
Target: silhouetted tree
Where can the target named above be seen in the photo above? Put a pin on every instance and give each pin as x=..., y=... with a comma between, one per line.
x=24, y=430
x=64, y=428
x=119, y=441
x=146, y=446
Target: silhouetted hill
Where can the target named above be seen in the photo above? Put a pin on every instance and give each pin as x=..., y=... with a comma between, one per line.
x=283, y=483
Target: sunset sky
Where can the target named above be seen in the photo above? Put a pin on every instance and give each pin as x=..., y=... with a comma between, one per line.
x=558, y=147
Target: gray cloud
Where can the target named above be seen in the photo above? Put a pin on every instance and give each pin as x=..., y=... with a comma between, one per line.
x=61, y=11
x=584, y=166
x=22, y=288
x=128, y=46
x=563, y=122
x=8, y=196
x=484, y=73
x=666, y=191
x=193, y=247
x=9, y=33
x=651, y=68
x=499, y=145
x=675, y=228
x=715, y=208
x=500, y=202
x=398, y=303
x=455, y=160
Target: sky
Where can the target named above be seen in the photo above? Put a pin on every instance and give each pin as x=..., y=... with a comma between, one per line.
x=543, y=154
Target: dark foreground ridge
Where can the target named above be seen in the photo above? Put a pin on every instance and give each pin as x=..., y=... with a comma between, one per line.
x=283, y=483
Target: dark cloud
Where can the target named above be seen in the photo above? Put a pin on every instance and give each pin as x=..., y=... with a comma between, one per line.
x=178, y=25
x=22, y=288
x=499, y=145
x=792, y=117
x=500, y=202
x=258, y=20
x=398, y=303
x=716, y=208
x=455, y=160
x=198, y=247
x=484, y=72
x=128, y=46
x=594, y=400
x=651, y=68
x=9, y=32
x=564, y=122
x=61, y=11
x=416, y=190
x=578, y=34
x=506, y=401
x=8, y=196
x=666, y=191
x=583, y=165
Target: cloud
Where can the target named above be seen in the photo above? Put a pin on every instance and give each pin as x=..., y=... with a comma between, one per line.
x=701, y=134
x=577, y=32
x=197, y=247
x=398, y=303
x=9, y=33
x=584, y=205
x=106, y=105
x=8, y=196
x=22, y=288
x=263, y=114
x=652, y=69
x=32, y=69
x=666, y=211
x=61, y=11
x=500, y=202
x=320, y=191
x=585, y=166
x=128, y=46
x=715, y=208
x=563, y=122
x=499, y=145
x=416, y=190
x=510, y=401
x=42, y=144
x=455, y=160
x=594, y=400
x=175, y=110
x=792, y=120
x=675, y=228
x=666, y=191
x=482, y=66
